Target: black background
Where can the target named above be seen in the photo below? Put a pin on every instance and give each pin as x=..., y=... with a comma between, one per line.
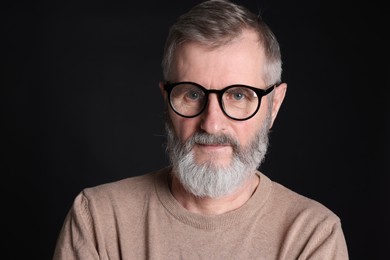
x=81, y=107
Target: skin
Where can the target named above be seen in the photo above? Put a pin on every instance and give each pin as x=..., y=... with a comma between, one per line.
x=239, y=62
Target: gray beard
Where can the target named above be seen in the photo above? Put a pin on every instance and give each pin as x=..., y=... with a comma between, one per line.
x=208, y=179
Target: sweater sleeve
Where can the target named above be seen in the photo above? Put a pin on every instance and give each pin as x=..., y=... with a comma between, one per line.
x=326, y=243
x=77, y=239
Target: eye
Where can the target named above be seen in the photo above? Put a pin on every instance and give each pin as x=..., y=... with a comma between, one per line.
x=238, y=96
x=193, y=94
x=187, y=93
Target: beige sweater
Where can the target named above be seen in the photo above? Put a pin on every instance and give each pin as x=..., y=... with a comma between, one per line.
x=138, y=218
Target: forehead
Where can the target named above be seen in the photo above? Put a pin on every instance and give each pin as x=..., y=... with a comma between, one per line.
x=240, y=61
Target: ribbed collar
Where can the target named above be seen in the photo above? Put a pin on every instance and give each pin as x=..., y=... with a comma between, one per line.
x=251, y=207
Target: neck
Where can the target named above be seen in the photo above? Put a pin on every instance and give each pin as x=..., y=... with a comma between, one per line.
x=214, y=206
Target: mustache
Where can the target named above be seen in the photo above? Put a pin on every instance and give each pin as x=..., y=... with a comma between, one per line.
x=211, y=139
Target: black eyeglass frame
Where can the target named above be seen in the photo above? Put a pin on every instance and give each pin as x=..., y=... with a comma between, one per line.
x=168, y=87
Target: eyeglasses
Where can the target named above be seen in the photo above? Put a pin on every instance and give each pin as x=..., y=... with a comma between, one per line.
x=238, y=102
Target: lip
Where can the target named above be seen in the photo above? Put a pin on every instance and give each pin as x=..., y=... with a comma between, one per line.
x=213, y=147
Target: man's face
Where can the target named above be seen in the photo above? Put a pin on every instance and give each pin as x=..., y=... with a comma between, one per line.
x=240, y=62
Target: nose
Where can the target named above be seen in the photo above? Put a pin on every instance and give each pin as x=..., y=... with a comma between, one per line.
x=213, y=118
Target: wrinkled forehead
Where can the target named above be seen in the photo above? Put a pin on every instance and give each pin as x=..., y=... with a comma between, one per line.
x=238, y=61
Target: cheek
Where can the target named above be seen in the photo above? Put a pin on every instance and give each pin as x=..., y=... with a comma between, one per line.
x=183, y=127
x=245, y=134
x=247, y=130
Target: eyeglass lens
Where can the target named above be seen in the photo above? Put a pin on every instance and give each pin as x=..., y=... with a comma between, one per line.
x=237, y=102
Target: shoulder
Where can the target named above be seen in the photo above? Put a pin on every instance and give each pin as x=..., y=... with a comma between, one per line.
x=125, y=195
x=132, y=186
x=299, y=207
x=308, y=227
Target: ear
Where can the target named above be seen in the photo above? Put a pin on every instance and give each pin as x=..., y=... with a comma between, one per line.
x=163, y=93
x=280, y=92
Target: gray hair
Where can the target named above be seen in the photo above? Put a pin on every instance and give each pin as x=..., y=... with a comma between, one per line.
x=217, y=22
